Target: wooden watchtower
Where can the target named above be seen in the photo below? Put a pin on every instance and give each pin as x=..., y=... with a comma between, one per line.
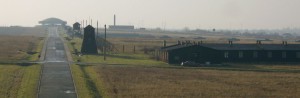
x=89, y=42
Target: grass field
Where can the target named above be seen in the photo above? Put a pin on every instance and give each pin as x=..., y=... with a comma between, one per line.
x=135, y=75
x=20, y=47
x=128, y=58
x=18, y=81
x=175, y=82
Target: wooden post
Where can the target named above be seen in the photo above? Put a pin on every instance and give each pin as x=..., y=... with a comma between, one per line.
x=123, y=49
x=73, y=34
x=104, y=42
x=133, y=49
x=97, y=30
x=156, y=54
x=96, y=37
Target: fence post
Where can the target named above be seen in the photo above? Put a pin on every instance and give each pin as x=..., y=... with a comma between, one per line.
x=123, y=49
x=133, y=49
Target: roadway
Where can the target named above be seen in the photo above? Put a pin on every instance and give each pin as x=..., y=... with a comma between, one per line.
x=56, y=79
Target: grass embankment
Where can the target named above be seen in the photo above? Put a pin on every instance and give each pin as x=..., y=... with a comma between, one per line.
x=18, y=81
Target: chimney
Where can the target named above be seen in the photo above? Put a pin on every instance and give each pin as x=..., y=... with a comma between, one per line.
x=114, y=20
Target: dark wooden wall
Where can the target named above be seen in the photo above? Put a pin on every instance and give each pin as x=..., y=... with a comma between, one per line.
x=202, y=54
x=197, y=54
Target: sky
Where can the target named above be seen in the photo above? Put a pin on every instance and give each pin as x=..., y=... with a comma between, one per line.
x=169, y=14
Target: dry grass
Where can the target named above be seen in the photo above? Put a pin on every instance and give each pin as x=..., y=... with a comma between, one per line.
x=19, y=43
x=19, y=81
x=19, y=47
x=141, y=82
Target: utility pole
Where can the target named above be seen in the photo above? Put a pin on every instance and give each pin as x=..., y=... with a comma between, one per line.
x=104, y=42
x=97, y=30
x=86, y=22
x=97, y=43
x=82, y=26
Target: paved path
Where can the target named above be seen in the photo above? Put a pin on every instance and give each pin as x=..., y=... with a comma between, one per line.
x=56, y=79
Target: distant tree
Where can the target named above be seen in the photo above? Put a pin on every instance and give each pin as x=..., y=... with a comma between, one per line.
x=214, y=30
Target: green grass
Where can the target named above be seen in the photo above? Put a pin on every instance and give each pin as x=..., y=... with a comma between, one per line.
x=19, y=81
x=112, y=58
x=81, y=82
x=122, y=59
x=87, y=83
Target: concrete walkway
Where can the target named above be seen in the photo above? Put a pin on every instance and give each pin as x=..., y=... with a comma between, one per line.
x=56, y=79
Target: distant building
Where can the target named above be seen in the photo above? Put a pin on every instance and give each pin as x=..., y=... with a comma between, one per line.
x=53, y=21
x=218, y=53
x=121, y=27
x=143, y=29
x=76, y=26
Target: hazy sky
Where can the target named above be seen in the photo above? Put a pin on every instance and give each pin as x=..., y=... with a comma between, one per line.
x=205, y=14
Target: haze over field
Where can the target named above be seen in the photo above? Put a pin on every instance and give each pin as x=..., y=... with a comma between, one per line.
x=172, y=14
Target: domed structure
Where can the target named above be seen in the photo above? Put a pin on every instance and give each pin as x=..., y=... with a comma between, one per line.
x=53, y=21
